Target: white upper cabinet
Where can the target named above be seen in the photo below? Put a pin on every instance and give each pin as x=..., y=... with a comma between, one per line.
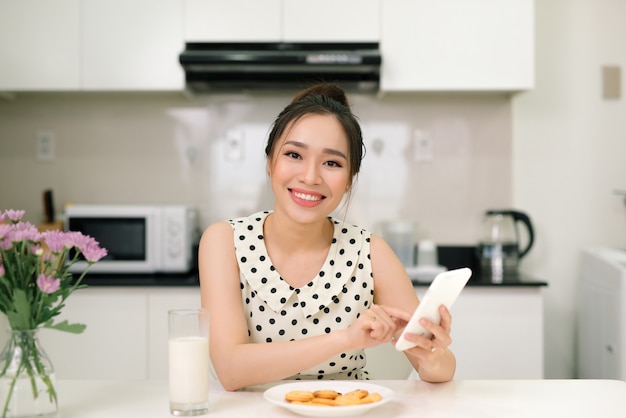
x=282, y=20
x=457, y=45
x=331, y=21
x=232, y=20
x=70, y=45
x=39, y=45
x=118, y=45
x=132, y=45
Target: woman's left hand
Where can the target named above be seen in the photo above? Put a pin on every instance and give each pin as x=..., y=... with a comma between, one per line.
x=430, y=350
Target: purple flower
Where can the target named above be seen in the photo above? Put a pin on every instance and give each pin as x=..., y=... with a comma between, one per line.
x=14, y=215
x=4, y=229
x=6, y=244
x=93, y=253
x=31, y=258
x=57, y=240
x=48, y=284
x=89, y=247
x=23, y=231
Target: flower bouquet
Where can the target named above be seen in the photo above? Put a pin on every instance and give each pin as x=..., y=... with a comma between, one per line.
x=34, y=283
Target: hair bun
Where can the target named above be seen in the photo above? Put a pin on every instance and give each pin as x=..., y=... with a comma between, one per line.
x=330, y=90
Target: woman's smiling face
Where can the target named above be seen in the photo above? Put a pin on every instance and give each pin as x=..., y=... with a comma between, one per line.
x=310, y=168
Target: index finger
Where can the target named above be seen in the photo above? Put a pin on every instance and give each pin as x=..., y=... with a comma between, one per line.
x=397, y=313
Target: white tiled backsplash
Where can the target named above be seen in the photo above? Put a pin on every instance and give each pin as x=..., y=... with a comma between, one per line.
x=209, y=153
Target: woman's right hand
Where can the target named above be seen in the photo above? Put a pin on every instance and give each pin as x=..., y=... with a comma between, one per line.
x=373, y=327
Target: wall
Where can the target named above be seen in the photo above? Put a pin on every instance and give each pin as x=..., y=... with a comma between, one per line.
x=168, y=148
x=569, y=154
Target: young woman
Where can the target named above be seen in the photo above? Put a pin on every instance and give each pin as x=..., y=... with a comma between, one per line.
x=296, y=294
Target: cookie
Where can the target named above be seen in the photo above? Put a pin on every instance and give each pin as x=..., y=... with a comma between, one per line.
x=326, y=394
x=299, y=396
x=323, y=402
x=329, y=397
x=370, y=398
x=352, y=397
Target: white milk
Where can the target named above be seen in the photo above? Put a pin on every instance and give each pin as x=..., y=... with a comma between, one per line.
x=189, y=370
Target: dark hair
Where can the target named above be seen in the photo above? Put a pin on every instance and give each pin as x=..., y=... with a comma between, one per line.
x=321, y=99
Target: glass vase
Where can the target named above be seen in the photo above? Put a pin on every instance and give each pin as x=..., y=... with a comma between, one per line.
x=27, y=379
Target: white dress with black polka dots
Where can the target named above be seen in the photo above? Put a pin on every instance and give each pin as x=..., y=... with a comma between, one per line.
x=341, y=291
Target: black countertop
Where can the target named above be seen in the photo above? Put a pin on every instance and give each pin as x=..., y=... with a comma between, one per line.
x=520, y=282
x=191, y=279
x=457, y=256
x=147, y=280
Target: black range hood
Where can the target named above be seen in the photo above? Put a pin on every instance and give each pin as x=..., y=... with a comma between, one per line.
x=236, y=67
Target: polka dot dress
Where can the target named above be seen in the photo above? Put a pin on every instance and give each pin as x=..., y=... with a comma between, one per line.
x=333, y=299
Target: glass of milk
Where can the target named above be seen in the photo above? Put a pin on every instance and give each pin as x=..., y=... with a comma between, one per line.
x=188, y=331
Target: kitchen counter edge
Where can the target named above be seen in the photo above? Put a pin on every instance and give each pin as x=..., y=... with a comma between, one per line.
x=191, y=279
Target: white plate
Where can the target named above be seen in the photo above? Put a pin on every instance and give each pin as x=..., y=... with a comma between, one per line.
x=276, y=395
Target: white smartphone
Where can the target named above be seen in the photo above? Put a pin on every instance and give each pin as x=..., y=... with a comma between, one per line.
x=444, y=290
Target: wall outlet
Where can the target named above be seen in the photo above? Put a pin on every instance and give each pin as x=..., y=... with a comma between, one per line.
x=611, y=82
x=423, y=146
x=46, y=143
x=234, y=145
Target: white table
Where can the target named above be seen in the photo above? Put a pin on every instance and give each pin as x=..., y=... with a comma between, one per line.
x=470, y=398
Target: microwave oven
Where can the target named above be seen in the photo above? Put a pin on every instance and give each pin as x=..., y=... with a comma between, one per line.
x=138, y=238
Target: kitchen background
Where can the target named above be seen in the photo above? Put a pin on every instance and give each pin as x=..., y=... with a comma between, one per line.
x=555, y=152
x=209, y=153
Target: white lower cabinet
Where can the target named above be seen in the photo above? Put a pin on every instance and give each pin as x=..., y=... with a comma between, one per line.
x=126, y=335
x=114, y=344
x=497, y=334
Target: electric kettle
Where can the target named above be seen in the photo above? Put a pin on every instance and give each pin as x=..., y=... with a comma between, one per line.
x=500, y=248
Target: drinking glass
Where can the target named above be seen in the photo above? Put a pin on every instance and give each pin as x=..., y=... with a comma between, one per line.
x=188, y=331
